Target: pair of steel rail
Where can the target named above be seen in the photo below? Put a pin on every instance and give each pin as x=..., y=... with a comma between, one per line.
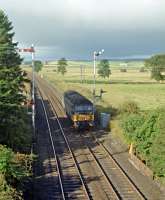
x=87, y=194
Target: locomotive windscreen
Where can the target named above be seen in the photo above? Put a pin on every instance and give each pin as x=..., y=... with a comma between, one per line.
x=84, y=108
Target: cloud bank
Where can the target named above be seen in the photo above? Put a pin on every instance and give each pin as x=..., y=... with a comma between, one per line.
x=75, y=28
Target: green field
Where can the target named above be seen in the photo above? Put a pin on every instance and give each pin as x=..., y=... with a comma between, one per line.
x=114, y=64
x=120, y=87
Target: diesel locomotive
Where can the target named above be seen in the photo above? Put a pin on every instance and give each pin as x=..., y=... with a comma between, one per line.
x=79, y=109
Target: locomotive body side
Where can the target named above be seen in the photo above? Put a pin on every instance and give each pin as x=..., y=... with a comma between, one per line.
x=79, y=109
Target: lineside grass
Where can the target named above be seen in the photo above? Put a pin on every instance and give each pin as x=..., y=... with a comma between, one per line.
x=120, y=87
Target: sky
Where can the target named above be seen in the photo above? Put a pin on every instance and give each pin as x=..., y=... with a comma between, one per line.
x=75, y=28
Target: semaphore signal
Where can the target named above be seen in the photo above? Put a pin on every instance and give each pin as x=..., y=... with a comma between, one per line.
x=30, y=50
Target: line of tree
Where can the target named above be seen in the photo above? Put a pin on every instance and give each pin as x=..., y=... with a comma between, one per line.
x=13, y=119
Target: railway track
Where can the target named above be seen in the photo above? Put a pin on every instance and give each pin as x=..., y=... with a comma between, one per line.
x=46, y=182
x=106, y=191
x=70, y=179
x=100, y=186
x=121, y=183
x=113, y=182
x=125, y=187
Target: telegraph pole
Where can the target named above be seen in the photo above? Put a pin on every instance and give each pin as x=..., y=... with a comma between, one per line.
x=33, y=88
x=81, y=73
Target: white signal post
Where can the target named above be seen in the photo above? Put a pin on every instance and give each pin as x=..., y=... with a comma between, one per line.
x=95, y=55
x=33, y=87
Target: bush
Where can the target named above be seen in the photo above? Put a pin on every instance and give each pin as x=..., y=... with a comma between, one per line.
x=13, y=169
x=123, y=70
x=130, y=124
x=157, y=151
x=129, y=107
x=147, y=132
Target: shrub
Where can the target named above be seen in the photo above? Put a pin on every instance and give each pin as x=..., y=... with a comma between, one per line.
x=130, y=124
x=13, y=169
x=157, y=151
x=147, y=132
x=129, y=107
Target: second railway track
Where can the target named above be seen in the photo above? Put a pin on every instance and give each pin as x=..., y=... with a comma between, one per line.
x=126, y=189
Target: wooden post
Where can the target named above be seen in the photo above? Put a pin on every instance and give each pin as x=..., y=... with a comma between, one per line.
x=131, y=149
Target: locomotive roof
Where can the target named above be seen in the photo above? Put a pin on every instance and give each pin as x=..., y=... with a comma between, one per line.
x=76, y=98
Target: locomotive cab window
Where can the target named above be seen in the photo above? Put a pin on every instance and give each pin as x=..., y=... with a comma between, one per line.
x=83, y=108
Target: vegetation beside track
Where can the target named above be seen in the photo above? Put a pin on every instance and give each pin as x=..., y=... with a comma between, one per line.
x=145, y=130
x=15, y=133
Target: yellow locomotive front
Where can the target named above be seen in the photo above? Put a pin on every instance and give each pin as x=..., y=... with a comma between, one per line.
x=83, y=116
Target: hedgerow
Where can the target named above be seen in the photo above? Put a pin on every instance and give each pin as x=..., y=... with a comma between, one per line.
x=147, y=132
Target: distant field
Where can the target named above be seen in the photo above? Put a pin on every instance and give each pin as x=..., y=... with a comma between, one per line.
x=121, y=86
x=89, y=64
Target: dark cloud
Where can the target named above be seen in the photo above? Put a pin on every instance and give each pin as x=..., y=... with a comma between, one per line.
x=75, y=28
